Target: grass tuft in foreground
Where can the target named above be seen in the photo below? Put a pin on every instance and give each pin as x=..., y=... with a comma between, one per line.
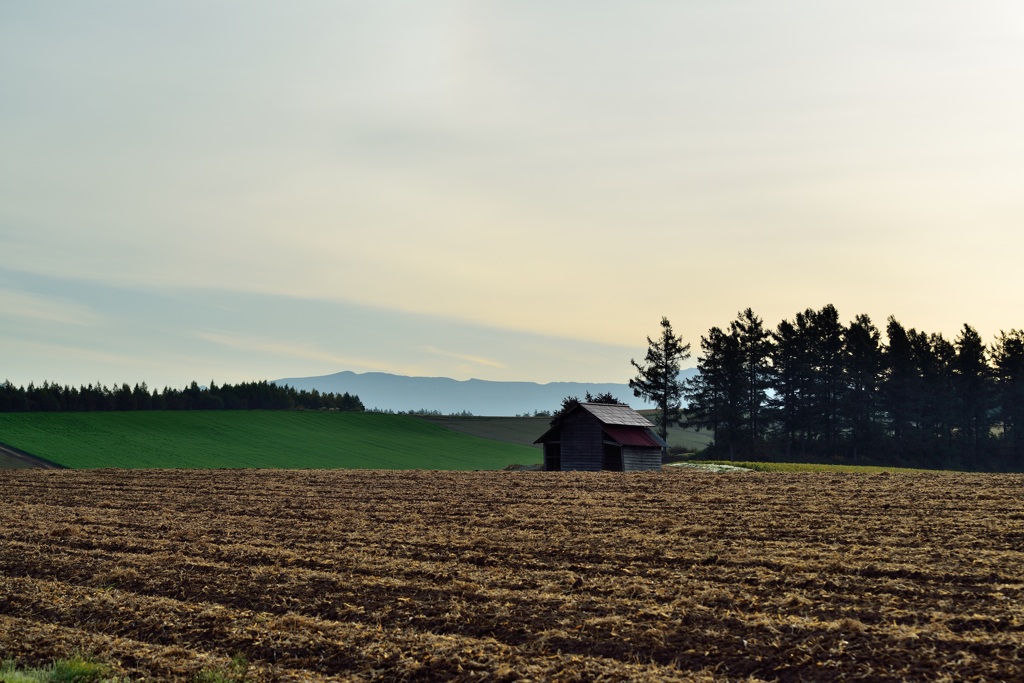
x=236, y=671
x=84, y=670
x=73, y=670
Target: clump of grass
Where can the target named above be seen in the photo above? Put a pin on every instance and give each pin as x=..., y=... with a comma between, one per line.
x=79, y=669
x=75, y=669
x=236, y=671
x=9, y=673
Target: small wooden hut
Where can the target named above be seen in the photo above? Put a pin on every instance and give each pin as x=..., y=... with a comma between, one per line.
x=601, y=436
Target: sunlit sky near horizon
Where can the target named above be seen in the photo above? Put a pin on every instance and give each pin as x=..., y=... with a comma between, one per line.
x=501, y=190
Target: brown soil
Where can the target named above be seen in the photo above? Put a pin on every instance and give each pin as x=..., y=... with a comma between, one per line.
x=357, y=575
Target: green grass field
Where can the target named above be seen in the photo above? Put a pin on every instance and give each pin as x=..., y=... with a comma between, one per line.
x=275, y=439
x=519, y=430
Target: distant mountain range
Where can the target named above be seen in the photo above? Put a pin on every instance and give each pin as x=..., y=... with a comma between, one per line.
x=480, y=397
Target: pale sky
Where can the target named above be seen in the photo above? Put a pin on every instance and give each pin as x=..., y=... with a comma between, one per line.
x=509, y=190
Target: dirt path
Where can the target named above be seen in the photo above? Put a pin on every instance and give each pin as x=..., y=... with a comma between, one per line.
x=13, y=459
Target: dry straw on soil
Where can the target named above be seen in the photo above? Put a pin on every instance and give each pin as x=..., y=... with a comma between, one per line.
x=318, y=575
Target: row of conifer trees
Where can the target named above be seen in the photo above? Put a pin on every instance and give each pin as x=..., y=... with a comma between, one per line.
x=243, y=396
x=813, y=388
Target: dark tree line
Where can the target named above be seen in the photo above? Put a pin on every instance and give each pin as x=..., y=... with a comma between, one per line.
x=244, y=396
x=816, y=389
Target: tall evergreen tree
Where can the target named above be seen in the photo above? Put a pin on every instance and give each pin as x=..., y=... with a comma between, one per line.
x=809, y=369
x=828, y=385
x=860, y=409
x=972, y=391
x=1008, y=362
x=716, y=394
x=791, y=379
x=901, y=387
x=657, y=378
x=754, y=346
x=933, y=358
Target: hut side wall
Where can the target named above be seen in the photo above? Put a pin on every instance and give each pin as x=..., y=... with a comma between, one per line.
x=582, y=446
x=639, y=459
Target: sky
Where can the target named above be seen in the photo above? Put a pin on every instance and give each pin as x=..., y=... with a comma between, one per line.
x=506, y=190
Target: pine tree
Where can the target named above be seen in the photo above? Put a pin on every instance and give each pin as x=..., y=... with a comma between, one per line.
x=657, y=379
x=754, y=345
x=828, y=364
x=972, y=390
x=863, y=353
x=901, y=387
x=809, y=366
x=716, y=393
x=791, y=377
x=1008, y=362
x=934, y=357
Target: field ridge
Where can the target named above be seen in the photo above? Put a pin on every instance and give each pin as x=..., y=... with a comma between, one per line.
x=13, y=458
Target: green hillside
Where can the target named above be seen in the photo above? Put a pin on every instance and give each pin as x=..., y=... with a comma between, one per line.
x=277, y=439
x=518, y=430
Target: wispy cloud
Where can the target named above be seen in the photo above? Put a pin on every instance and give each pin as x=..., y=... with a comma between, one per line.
x=290, y=350
x=478, y=360
x=19, y=304
x=69, y=352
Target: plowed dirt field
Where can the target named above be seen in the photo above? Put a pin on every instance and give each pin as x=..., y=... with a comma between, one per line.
x=342, y=575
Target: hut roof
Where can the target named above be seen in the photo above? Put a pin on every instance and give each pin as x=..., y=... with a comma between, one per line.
x=620, y=422
x=634, y=436
x=616, y=414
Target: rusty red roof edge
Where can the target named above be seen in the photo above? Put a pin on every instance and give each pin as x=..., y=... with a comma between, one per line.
x=634, y=436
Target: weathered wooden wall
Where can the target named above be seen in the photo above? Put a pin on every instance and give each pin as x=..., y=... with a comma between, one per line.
x=640, y=459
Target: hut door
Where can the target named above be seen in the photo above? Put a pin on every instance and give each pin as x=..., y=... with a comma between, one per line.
x=612, y=457
x=553, y=457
